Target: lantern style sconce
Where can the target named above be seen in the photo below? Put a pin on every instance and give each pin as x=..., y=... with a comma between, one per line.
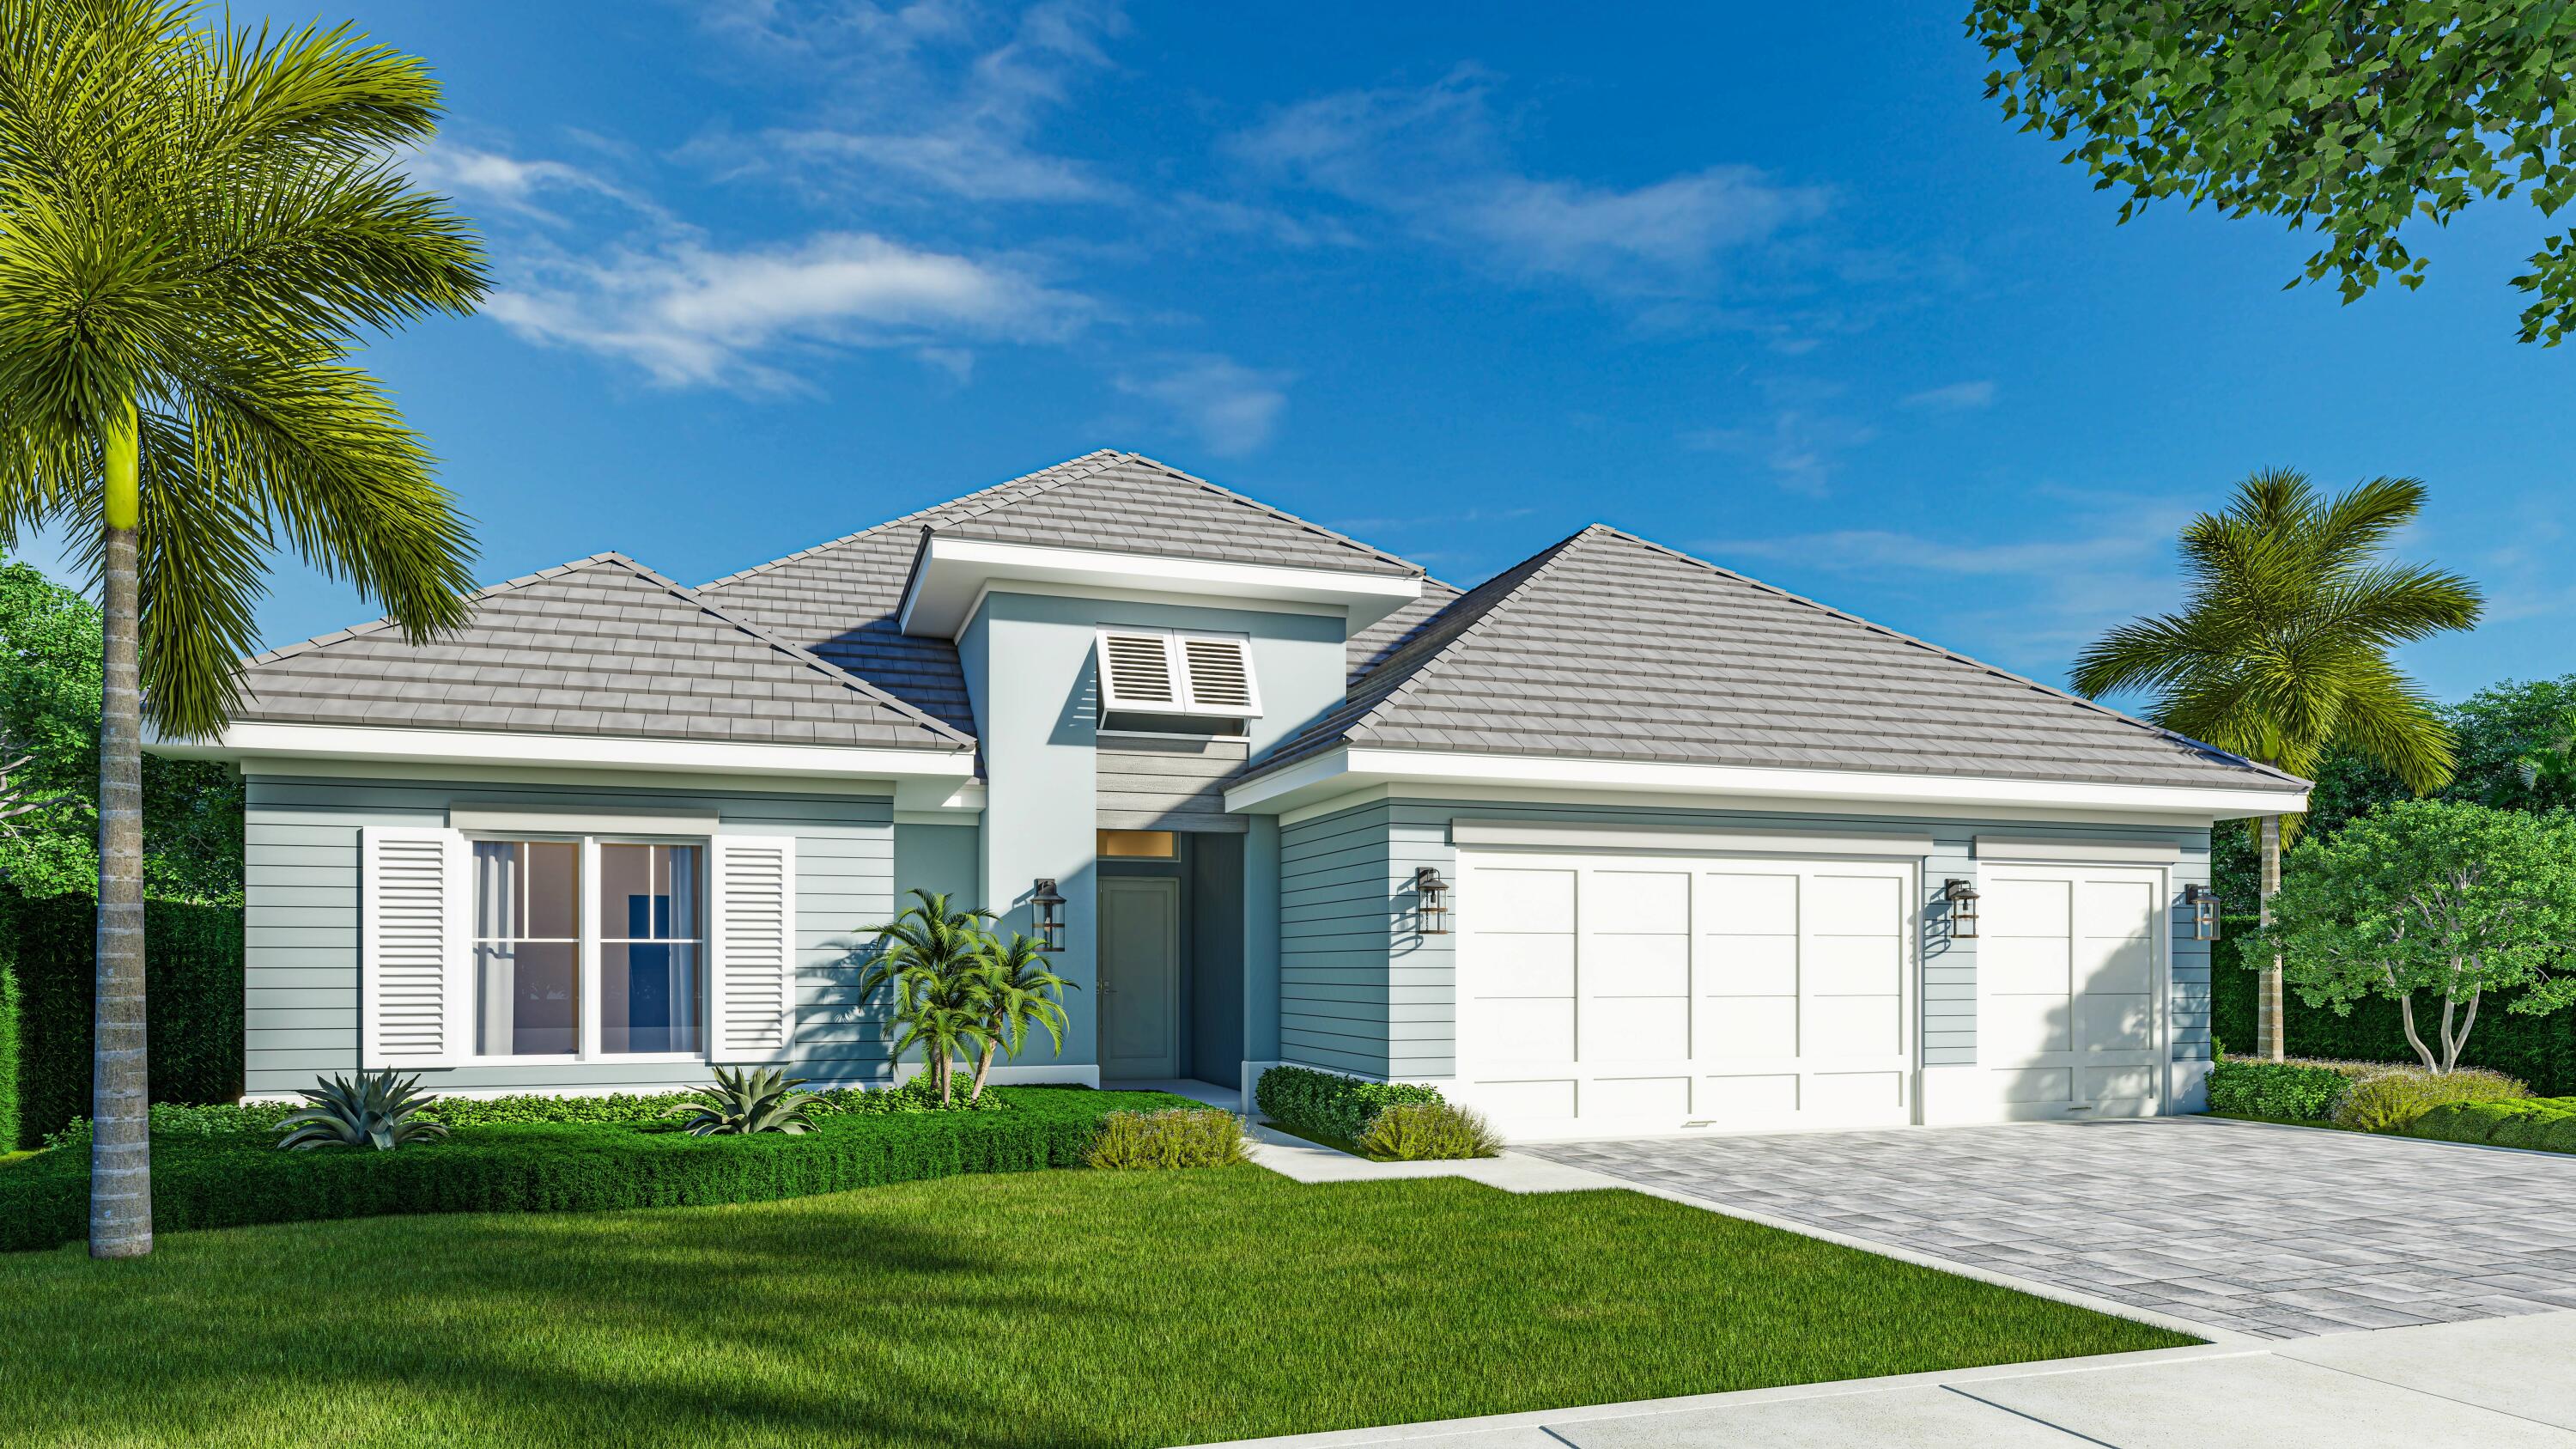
x=1433, y=894
x=1962, y=899
x=1049, y=907
x=2204, y=911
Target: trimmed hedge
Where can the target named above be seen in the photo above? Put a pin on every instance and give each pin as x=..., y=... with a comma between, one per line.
x=2296, y=1091
x=234, y=1180
x=1328, y=1104
x=2545, y=1123
x=8, y=1059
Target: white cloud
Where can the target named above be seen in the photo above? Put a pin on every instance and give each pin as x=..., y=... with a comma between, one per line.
x=1957, y=397
x=491, y=178
x=1234, y=409
x=1801, y=446
x=688, y=314
x=1434, y=158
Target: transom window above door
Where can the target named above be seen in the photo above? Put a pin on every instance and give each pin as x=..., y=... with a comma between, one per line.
x=619, y=972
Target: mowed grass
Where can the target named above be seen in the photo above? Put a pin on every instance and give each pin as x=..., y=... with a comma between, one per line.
x=1054, y=1308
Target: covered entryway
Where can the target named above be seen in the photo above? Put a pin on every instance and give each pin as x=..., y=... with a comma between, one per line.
x=2071, y=972
x=1611, y=991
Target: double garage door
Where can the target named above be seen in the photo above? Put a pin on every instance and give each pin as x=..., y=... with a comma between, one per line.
x=1612, y=992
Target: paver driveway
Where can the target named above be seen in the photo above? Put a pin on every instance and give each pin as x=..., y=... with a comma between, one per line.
x=2274, y=1232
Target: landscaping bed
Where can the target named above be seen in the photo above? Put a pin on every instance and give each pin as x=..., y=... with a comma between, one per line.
x=221, y=1179
x=2545, y=1124
x=2353, y=1096
x=1084, y=1309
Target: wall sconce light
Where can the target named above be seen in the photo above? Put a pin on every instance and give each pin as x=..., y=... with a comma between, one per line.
x=1962, y=899
x=2204, y=905
x=1049, y=907
x=1433, y=893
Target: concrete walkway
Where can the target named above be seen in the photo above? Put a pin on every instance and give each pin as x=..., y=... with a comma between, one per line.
x=2492, y=1383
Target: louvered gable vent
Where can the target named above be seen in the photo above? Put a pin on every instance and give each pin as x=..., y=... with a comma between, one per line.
x=1158, y=673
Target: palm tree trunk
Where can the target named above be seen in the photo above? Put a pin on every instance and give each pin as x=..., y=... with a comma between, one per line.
x=2271, y=1027
x=120, y=1171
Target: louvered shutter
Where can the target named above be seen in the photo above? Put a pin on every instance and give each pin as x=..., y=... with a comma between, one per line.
x=1219, y=677
x=415, y=949
x=1137, y=671
x=752, y=986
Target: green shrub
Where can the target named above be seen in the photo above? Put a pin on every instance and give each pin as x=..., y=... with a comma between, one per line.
x=2296, y=1091
x=1426, y=1132
x=231, y=1181
x=2545, y=1123
x=744, y=1102
x=9, y=1115
x=1177, y=1137
x=2389, y=1098
x=378, y=1109
x=920, y=1094
x=1328, y=1104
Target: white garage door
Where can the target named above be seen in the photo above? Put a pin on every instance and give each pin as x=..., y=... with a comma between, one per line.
x=2070, y=985
x=1609, y=992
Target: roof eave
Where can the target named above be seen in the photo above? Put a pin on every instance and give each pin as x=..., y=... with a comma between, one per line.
x=248, y=741
x=950, y=574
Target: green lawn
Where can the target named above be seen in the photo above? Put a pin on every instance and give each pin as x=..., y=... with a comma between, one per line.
x=1060, y=1308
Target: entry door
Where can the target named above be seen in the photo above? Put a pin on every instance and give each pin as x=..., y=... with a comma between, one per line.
x=2070, y=985
x=1140, y=977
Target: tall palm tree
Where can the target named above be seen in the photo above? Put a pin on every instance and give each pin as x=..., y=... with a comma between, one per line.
x=932, y=959
x=2281, y=651
x=1018, y=989
x=196, y=224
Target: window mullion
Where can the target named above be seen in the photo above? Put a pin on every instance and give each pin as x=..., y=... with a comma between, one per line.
x=586, y=891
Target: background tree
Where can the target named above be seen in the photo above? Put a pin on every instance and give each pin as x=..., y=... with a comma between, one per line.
x=2452, y=900
x=2280, y=652
x=2351, y=116
x=196, y=223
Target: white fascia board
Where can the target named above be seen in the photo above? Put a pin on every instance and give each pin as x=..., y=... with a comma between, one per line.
x=250, y=741
x=1346, y=768
x=950, y=574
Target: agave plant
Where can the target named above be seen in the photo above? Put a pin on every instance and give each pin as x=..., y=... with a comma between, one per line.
x=378, y=1110
x=746, y=1101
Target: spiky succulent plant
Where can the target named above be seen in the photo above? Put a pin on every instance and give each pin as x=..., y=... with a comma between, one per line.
x=378, y=1110
x=746, y=1101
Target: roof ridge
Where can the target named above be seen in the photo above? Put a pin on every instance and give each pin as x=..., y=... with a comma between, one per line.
x=1545, y=560
x=1281, y=514
x=1954, y=655
x=379, y=624
x=1066, y=469
x=1103, y=454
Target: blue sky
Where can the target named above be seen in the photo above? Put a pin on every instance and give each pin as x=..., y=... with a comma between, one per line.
x=1458, y=279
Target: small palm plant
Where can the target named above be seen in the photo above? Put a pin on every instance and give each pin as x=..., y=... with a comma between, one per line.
x=378, y=1110
x=1019, y=990
x=746, y=1102
x=931, y=958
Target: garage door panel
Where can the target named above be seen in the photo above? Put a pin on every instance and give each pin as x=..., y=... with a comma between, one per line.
x=1522, y=1029
x=2035, y=1084
x=1749, y=1026
x=1873, y=1095
x=1621, y=965
x=1854, y=1026
x=2023, y=907
x=2127, y=1083
x=2068, y=982
x=1626, y=900
x=2107, y=964
x=2117, y=909
x=1855, y=965
x=1525, y=900
x=1745, y=1098
x=2024, y=965
x=2117, y=1023
x=1638, y=1097
x=1521, y=966
x=1548, y=1100
x=1748, y=965
x=1857, y=905
x=1636, y=1029
x=2017, y=1028
x=1751, y=904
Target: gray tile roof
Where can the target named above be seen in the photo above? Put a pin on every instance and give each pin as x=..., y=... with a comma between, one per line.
x=839, y=598
x=1606, y=646
x=601, y=646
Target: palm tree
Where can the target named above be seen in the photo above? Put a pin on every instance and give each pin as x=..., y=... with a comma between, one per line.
x=2281, y=651
x=196, y=224
x=932, y=957
x=1020, y=989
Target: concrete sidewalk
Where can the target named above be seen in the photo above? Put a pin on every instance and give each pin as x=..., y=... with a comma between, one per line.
x=2493, y=1383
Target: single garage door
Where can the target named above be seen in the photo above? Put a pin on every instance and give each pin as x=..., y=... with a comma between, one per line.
x=2071, y=979
x=1612, y=992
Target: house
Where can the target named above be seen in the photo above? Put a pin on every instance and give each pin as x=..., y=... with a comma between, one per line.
x=1615, y=841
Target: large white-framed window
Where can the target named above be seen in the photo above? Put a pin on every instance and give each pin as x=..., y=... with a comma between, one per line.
x=589, y=948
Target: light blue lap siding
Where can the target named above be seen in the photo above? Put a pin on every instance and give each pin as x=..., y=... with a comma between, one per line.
x=301, y=920
x=1360, y=992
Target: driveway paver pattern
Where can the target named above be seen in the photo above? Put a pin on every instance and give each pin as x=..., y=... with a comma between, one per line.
x=2270, y=1232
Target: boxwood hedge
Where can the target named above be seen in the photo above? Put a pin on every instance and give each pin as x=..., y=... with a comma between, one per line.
x=2546, y=1123
x=235, y=1180
x=1328, y=1104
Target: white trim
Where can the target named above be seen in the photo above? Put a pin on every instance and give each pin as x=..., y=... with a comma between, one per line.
x=590, y=820
x=1450, y=795
x=949, y=575
x=967, y=819
x=2078, y=851
x=470, y=747
x=1340, y=769
x=1036, y=589
x=1541, y=835
x=288, y=768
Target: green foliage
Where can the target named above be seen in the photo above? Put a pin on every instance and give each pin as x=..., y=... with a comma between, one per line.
x=2540, y=1050
x=1175, y=1137
x=1018, y=988
x=9, y=1114
x=2352, y=119
x=49, y=711
x=1426, y=1132
x=743, y=1102
x=2387, y=1100
x=2297, y=1091
x=917, y=1094
x=1328, y=1104
x=2544, y=1124
x=379, y=1110
x=230, y=1181
x=192, y=1002
x=2450, y=901
x=931, y=958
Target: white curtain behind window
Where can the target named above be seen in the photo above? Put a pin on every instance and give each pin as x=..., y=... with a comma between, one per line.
x=688, y=962
x=496, y=921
